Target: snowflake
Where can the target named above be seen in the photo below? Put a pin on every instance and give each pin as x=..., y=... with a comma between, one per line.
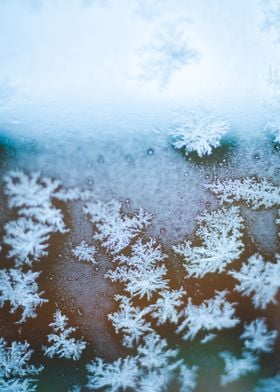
x=271, y=384
x=16, y=374
x=257, y=338
x=260, y=279
x=165, y=308
x=130, y=320
x=271, y=13
x=255, y=193
x=62, y=345
x=84, y=252
x=200, y=131
x=20, y=289
x=215, y=313
x=220, y=233
x=238, y=367
x=115, y=230
x=113, y=377
x=28, y=240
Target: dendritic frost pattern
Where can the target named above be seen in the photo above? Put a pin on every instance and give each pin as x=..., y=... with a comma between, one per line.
x=115, y=230
x=21, y=291
x=199, y=131
x=257, y=338
x=255, y=193
x=238, y=367
x=16, y=374
x=220, y=232
x=260, y=279
x=84, y=252
x=61, y=344
x=213, y=314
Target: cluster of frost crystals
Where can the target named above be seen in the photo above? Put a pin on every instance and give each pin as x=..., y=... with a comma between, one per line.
x=270, y=384
x=21, y=291
x=255, y=193
x=113, y=377
x=151, y=370
x=257, y=338
x=238, y=367
x=62, y=345
x=115, y=230
x=140, y=272
x=200, y=131
x=167, y=305
x=28, y=240
x=130, y=320
x=260, y=279
x=32, y=195
x=84, y=252
x=220, y=232
x=213, y=314
x=16, y=374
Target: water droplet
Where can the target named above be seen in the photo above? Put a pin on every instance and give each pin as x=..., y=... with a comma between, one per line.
x=162, y=231
x=150, y=151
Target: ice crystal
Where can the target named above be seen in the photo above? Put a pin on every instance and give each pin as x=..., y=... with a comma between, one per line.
x=260, y=279
x=238, y=367
x=113, y=377
x=62, y=345
x=255, y=193
x=28, y=240
x=220, y=233
x=200, y=132
x=215, y=313
x=208, y=338
x=16, y=374
x=257, y=337
x=20, y=290
x=84, y=252
x=130, y=320
x=155, y=380
x=270, y=384
x=166, y=307
x=115, y=230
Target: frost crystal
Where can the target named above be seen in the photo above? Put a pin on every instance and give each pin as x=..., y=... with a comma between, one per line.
x=200, y=132
x=130, y=320
x=238, y=367
x=62, y=345
x=84, y=252
x=257, y=338
x=271, y=384
x=154, y=381
x=260, y=279
x=166, y=307
x=115, y=230
x=113, y=377
x=255, y=193
x=154, y=353
x=220, y=233
x=187, y=378
x=16, y=374
x=28, y=240
x=20, y=290
x=215, y=313
x=139, y=272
